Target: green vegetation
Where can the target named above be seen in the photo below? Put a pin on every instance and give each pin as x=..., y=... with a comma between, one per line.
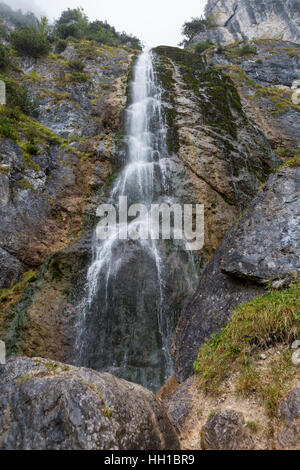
x=292, y=163
x=245, y=50
x=252, y=426
x=18, y=96
x=202, y=46
x=9, y=293
x=74, y=24
x=4, y=57
x=78, y=77
x=281, y=100
x=256, y=326
x=107, y=413
x=32, y=41
x=61, y=45
x=290, y=155
x=222, y=100
x=76, y=65
x=195, y=26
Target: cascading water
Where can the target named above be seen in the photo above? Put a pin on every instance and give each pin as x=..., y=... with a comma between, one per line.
x=127, y=320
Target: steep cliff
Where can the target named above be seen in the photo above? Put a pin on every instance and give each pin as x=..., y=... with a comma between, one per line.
x=251, y=19
x=56, y=163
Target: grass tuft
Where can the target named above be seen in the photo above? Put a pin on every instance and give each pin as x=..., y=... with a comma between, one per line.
x=258, y=325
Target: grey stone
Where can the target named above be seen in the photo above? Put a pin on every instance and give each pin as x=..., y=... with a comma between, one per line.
x=263, y=246
x=48, y=405
x=11, y=269
x=250, y=19
x=226, y=431
x=289, y=413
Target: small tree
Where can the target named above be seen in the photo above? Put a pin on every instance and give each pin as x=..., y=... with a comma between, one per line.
x=196, y=26
x=31, y=41
x=72, y=22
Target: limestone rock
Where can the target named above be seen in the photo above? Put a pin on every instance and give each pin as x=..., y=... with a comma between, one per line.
x=289, y=412
x=275, y=66
x=262, y=247
x=226, y=431
x=248, y=19
x=46, y=405
x=265, y=245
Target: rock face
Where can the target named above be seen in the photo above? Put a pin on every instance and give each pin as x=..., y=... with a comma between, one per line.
x=262, y=247
x=225, y=431
x=53, y=172
x=46, y=405
x=289, y=412
x=248, y=19
x=221, y=154
x=267, y=81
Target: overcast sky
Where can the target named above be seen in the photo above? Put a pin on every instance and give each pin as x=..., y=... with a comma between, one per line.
x=155, y=22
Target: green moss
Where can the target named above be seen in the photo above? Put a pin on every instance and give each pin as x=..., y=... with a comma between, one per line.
x=23, y=183
x=280, y=100
x=292, y=163
x=9, y=293
x=216, y=93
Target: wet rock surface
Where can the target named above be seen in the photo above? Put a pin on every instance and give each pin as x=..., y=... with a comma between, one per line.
x=267, y=81
x=219, y=154
x=226, y=431
x=52, y=406
x=50, y=188
x=271, y=256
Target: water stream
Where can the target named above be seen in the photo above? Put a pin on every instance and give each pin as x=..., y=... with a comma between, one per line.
x=128, y=312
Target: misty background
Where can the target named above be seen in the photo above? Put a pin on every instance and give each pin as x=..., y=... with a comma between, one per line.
x=155, y=22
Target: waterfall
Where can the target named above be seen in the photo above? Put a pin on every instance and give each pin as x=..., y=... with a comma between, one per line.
x=126, y=322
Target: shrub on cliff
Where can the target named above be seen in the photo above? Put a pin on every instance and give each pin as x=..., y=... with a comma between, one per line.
x=4, y=57
x=72, y=23
x=202, y=46
x=195, y=26
x=32, y=41
x=76, y=65
x=18, y=96
x=61, y=45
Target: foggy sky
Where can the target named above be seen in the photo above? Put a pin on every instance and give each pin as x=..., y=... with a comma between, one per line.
x=155, y=22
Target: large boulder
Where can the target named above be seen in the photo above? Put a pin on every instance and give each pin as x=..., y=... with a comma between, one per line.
x=49, y=405
x=261, y=248
x=226, y=431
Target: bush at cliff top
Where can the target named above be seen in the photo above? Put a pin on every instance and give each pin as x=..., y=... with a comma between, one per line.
x=31, y=41
x=256, y=326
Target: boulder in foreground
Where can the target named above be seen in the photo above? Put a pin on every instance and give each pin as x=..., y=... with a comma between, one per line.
x=49, y=405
